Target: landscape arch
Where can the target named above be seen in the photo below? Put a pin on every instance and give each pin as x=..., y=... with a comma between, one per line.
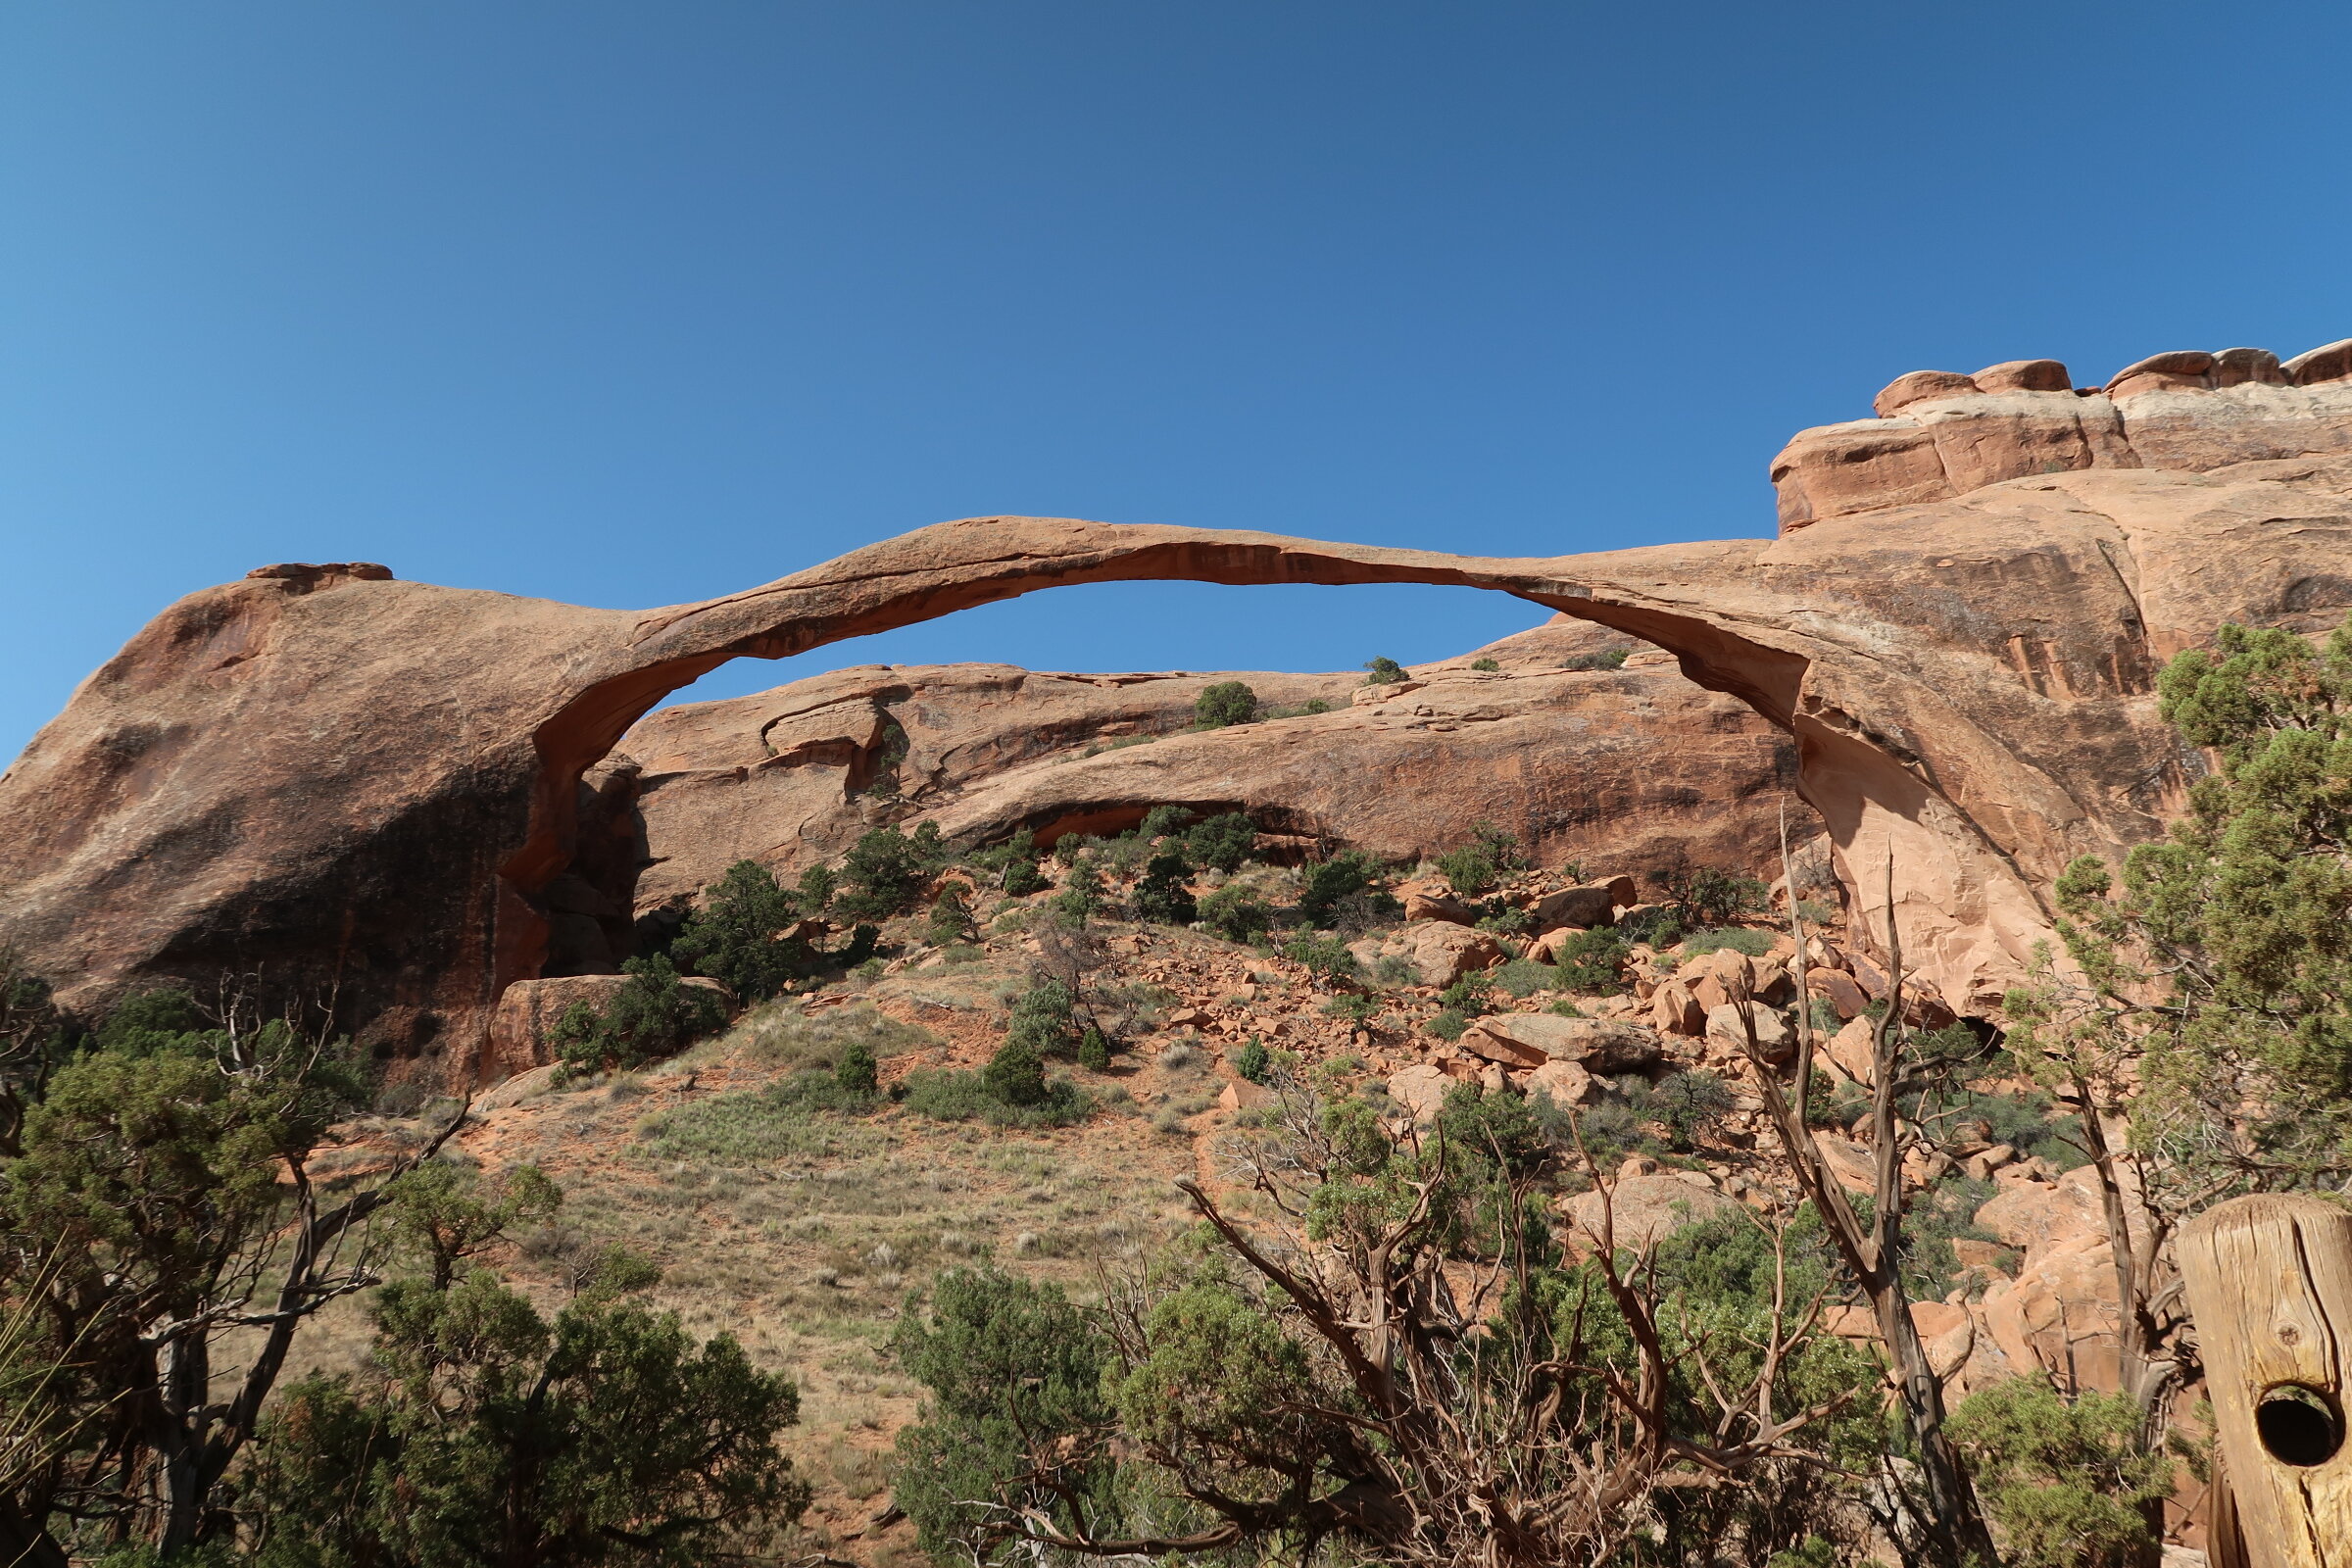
x=365, y=784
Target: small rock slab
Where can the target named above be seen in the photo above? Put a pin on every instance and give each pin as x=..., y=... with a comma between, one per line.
x=1421, y=1091
x=1604, y=1045
x=1648, y=1208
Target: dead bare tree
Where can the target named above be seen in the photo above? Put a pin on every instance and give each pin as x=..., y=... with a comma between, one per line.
x=1435, y=1410
x=1949, y=1516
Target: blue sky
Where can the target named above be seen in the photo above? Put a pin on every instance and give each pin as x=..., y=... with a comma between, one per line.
x=632, y=304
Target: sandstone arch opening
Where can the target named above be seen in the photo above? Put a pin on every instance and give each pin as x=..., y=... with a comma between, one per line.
x=955, y=565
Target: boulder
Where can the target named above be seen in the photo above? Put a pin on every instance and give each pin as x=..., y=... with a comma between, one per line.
x=1850, y=1162
x=1439, y=951
x=1604, y=1045
x=1242, y=1094
x=1645, y=1210
x=1589, y=904
x=2159, y=372
x=1564, y=1083
x=2239, y=366
x=1498, y=1047
x=1851, y=1051
x=2038, y=1218
x=1434, y=899
x=2024, y=375
x=1673, y=1011
x=2060, y=1314
x=1546, y=949
x=1775, y=1040
x=2330, y=362
x=1923, y=386
x=1421, y=1091
x=1839, y=989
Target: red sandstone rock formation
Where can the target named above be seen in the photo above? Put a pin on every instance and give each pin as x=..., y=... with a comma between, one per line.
x=1638, y=766
x=377, y=787
x=1939, y=435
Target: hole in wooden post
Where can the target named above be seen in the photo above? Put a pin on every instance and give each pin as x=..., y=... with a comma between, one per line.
x=2299, y=1426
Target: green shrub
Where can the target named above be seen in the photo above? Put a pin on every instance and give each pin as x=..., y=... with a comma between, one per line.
x=1313, y=705
x=1228, y=702
x=1023, y=878
x=1493, y=1131
x=1594, y=961
x=754, y=1127
x=2028, y=1123
x=1469, y=871
x=1044, y=1018
x=2063, y=1481
x=478, y=1431
x=1015, y=856
x=1447, y=1025
x=1472, y=996
x=1015, y=1074
x=1253, y=1062
x=1163, y=822
x=1703, y=896
x=1222, y=842
x=1607, y=659
x=1094, y=1050
x=1355, y=1007
x=1081, y=894
x=654, y=1015
x=1507, y=922
x=1162, y=896
x=952, y=917
x=1233, y=914
x=886, y=872
x=1385, y=672
x=865, y=937
x=857, y=1073
x=1327, y=887
x=1691, y=1105
x=1009, y=1365
x=1327, y=958
x=1524, y=977
x=1502, y=848
x=1485, y=665
x=1657, y=926
x=967, y=1096
x=734, y=938
x=816, y=889
x=1740, y=939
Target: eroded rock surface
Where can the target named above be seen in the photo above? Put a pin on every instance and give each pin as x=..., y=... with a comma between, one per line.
x=1637, y=766
x=381, y=790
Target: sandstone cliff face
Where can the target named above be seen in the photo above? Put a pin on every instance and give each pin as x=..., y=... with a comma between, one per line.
x=377, y=786
x=1637, y=766
x=1939, y=435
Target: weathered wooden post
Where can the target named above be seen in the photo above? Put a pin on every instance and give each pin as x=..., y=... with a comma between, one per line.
x=2270, y=1287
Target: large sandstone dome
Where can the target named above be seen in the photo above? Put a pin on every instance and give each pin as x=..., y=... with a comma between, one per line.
x=383, y=790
